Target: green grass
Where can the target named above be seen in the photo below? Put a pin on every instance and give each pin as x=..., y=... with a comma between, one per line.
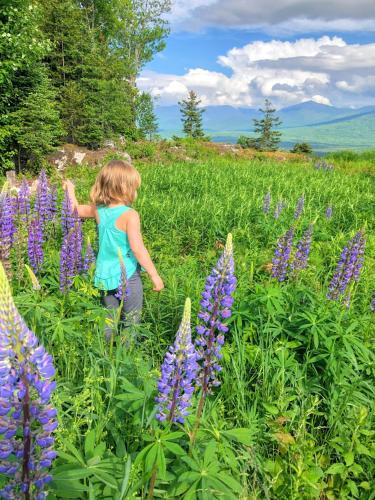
x=297, y=369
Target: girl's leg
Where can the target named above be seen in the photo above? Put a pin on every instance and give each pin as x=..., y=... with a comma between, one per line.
x=132, y=310
x=111, y=303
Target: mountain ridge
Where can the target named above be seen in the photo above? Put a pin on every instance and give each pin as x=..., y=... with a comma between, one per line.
x=302, y=121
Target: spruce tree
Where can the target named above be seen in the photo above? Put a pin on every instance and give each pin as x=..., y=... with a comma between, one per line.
x=146, y=118
x=192, y=116
x=269, y=138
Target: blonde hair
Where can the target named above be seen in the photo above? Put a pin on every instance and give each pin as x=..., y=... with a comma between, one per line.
x=117, y=181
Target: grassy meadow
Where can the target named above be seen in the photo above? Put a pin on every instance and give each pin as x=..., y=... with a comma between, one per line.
x=293, y=416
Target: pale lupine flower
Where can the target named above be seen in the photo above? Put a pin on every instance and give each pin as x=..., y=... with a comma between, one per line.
x=216, y=306
x=178, y=374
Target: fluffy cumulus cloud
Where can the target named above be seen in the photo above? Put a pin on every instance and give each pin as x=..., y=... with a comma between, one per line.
x=283, y=16
x=326, y=70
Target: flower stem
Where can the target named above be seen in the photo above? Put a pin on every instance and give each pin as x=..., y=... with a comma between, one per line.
x=150, y=495
x=26, y=440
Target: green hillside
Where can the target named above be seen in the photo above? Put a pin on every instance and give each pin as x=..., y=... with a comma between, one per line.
x=356, y=133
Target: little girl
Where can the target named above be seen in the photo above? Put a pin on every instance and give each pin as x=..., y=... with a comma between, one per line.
x=112, y=195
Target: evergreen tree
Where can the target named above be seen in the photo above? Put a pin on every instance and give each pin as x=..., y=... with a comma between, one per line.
x=192, y=116
x=146, y=118
x=269, y=138
x=38, y=124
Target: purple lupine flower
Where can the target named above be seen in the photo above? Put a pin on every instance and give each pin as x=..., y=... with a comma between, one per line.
x=35, y=245
x=178, y=373
x=267, y=202
x=67, y=215
x=122, y=289
x=372, y=304
x=303, y=250
x=279, y=208
x=77, y=244
x=328, y=212
x=27, y=418
x=216, y=305
x=348, y=268
x=42, y=199
x=52, y=203
x=23, y=208
x=299, y=207
x=71, y=256
x=89, y=258
x=281, y=260
x=7, y=228
x=67, y=261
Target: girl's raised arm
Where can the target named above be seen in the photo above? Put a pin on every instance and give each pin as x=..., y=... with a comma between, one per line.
x=84, y=211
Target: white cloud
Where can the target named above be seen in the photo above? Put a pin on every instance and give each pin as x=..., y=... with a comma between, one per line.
x=325, y=70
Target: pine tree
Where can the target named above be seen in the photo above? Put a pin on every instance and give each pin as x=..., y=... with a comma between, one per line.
x=192, y=116
x=146, y=118
x=269, y=138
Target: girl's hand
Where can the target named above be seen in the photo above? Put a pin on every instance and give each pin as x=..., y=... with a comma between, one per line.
x=158, y=283
x=68, y=186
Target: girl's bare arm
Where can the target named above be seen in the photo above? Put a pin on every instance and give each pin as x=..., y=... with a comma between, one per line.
x=131, y=224
x=84, y=211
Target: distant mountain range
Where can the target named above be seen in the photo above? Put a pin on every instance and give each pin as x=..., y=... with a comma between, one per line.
x=326, y=128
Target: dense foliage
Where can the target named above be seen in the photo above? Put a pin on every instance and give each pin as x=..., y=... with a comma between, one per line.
x=68, y=72
x=293, y=414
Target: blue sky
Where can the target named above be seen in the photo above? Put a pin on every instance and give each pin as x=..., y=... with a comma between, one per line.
x=239, y=52
x=187, y=50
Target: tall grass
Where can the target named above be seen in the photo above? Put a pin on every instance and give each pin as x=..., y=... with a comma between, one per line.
x=297, y=369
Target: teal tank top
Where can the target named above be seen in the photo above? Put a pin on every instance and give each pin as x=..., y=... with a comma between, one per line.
x=108, y=270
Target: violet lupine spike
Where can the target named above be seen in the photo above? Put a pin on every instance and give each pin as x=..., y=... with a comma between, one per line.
x=299, y=207
x=267, y=202
x=77, y=244
x=35, y=245
x=67, y=214
x=279, y=208
x=348, y=269
x=281, y=260
x=66, y=262
x=27, y=418
x=89, y=258
x=42, y=199
x=71, y=256
x=303, y=250
x=122, y=290
x=216, y=304
x=7, y=229
x=328, y=212
x=52, y=205
x=178, y=374
x=24, y=201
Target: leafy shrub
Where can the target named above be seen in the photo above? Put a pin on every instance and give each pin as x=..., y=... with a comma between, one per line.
x=302, y=148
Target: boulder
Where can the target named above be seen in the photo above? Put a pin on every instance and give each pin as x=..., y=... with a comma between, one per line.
x=70, y=155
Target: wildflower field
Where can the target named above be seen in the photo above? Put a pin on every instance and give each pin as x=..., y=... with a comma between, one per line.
x=268, y=387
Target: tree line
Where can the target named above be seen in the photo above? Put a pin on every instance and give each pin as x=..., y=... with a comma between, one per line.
x=68, y=72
